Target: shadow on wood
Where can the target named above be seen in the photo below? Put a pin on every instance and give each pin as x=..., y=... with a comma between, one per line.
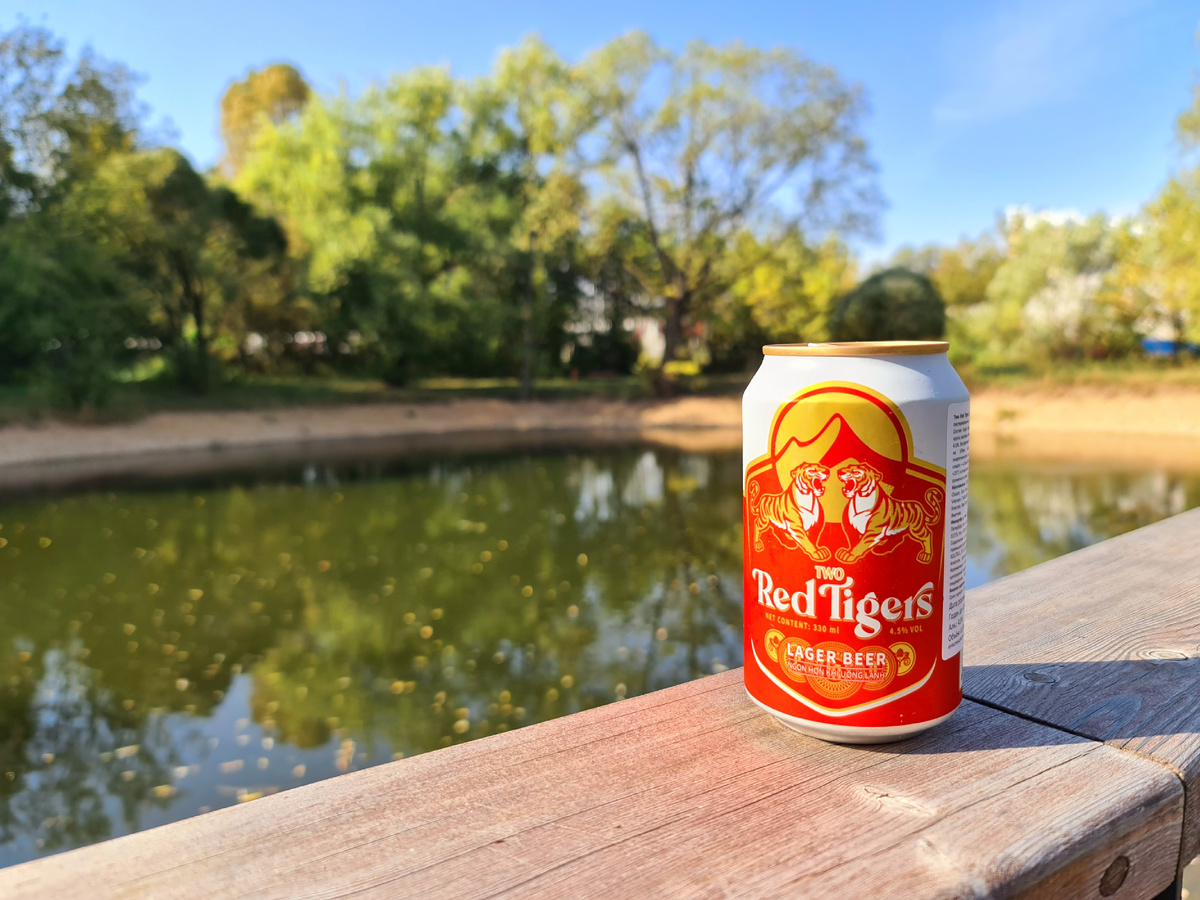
x=1103, y=642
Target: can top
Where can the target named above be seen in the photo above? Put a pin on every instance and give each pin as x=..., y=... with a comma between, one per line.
x=857, y=348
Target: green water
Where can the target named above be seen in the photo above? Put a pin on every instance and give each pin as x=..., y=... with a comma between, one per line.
x=165, y=651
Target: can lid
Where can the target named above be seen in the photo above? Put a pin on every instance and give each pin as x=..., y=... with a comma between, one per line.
x=857, y=348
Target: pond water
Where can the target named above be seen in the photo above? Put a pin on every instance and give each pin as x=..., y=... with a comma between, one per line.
x=166, y=651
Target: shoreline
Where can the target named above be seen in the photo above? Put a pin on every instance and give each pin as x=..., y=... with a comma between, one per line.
x=1084, y=425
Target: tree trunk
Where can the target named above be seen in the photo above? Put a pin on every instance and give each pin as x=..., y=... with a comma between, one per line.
x=672, y=341
x=525, y=391
x=201, y=340
x=1177, y=325
x=193, y=303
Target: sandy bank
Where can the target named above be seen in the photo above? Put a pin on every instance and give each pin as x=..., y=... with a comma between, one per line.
x=174, y=443
x=1085, y=424
x=1076, y=424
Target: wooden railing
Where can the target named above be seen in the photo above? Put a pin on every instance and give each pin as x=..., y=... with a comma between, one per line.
x=1070, y=771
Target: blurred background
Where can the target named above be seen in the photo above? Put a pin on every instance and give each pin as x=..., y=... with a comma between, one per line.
x=289, y=207
x=390, y=195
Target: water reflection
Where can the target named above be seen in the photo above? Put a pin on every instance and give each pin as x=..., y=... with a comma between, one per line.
x=1022, y=514
x=171, y=651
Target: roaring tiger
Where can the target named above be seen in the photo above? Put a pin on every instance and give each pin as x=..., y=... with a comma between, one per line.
x=878, y=516
x=795, y=512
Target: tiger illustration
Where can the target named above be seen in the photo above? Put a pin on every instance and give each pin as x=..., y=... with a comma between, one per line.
x=879, y=517
x=795, y=512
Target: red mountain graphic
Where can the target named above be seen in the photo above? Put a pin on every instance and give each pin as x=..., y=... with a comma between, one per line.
x=840, y=443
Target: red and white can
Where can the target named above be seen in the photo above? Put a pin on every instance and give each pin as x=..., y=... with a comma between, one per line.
x=855, y=513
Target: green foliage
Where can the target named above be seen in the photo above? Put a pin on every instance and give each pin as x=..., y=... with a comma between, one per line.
x=1046, y=300
x=783, y=292
x=1187, y=125
x=894, y=305
x=56, y=124
x=1156, y=280
x=379, y=220
x=524, y=224
x=430, y=218
x=533, y=115
x=193, y=254
x=697, y=148
x=273, y=94
x=961, y=274
x=64, y=311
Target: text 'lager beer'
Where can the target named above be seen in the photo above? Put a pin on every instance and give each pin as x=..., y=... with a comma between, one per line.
x=855, y=511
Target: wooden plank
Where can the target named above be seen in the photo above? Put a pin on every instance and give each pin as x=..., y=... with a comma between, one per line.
x=1104, y=642
x=688, y=792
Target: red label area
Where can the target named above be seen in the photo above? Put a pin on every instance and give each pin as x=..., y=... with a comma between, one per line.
x=844, y=566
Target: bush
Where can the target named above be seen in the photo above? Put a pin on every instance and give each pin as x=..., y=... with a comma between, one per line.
x=64, y=313
x=894, y=305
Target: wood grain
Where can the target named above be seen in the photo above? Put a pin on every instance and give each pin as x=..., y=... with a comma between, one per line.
x=688, y=792
x=1105, y=643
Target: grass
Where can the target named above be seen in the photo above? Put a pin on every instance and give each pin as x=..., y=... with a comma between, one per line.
x=1138, y=374
x=133, y=400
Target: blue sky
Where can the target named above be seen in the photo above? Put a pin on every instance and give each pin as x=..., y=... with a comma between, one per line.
x=975, y=106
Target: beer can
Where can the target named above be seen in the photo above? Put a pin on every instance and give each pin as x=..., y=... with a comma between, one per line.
x=855, y=514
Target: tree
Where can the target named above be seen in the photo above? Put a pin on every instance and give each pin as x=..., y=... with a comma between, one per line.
x=55, y=123
x=30, y=64
x=893, y=305
x=65, y=311
x=791, y=289
x=181, y=244
x=784, y=294
x=961, y=274
x=1156, y=278
x=1046, y=299
x=436, y=221
x=612, y=301
x=400, y=231
x=1187, y=125
x=532, y=116
x=272, y=94
x=699, y=146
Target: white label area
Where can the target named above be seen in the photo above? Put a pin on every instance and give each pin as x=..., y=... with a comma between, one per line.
x=958, y=438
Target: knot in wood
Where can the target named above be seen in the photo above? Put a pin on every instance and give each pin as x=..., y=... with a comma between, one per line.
x=1166, y=654
x=1040, y=678
x=1114, y=876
